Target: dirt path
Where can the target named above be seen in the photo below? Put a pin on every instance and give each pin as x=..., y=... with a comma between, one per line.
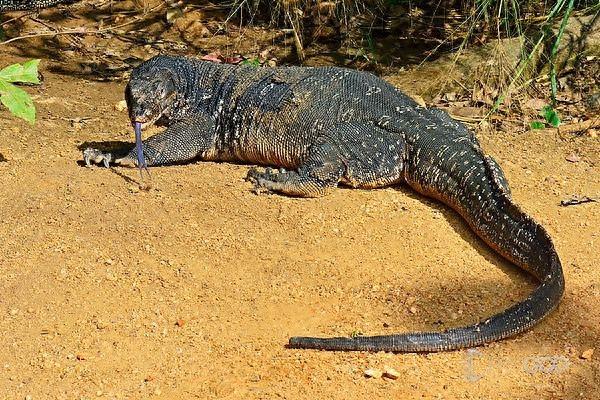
x=191, y=290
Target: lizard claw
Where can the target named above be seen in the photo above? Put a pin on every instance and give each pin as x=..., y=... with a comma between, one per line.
x=261, y=188
x=253, y=174
x=260, y=179
x=95, y=156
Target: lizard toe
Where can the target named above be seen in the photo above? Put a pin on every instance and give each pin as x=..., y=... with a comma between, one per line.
x=252, y=175
x=255, y=174
x=95, y=156
x=260, y=188
x=126, y=161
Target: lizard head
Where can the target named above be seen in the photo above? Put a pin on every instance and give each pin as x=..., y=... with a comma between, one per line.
x=150, y=94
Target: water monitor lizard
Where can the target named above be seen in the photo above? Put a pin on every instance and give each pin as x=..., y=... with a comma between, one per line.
x=326, y=126
x=26, y=5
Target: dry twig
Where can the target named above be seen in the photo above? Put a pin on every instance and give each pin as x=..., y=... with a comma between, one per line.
x=79, y=31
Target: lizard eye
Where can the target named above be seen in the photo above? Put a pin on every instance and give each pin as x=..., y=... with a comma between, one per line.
x=165, y=86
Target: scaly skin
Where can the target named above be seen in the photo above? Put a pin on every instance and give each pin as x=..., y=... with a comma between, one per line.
x=328, y=126
x=26, y=5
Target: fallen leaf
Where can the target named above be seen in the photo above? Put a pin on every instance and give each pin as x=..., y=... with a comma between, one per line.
x=233, y=60
x=214, y=57
x=474, y=112
x=419, y=100
x=535, y=104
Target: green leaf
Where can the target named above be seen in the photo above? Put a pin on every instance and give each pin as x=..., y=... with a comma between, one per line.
x=17, y=101
x=26, y=72
x=30, y=69
x=536, y=125
x=551, y=116
x=254, y=62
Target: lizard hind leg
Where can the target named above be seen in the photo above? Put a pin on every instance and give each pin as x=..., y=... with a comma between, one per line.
x=373, y=156
x=319, y=174
x=357, y=154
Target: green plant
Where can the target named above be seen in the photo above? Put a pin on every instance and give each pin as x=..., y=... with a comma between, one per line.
x=254, y=62
x=550, y=117
x=554, y=51
x=16, y=99
x=561, y=9
x=355, y=333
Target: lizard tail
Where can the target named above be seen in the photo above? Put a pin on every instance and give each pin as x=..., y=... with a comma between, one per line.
x=510, y=232
x=512, y=321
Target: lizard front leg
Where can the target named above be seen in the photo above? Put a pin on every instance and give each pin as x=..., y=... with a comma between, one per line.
x=182, y=141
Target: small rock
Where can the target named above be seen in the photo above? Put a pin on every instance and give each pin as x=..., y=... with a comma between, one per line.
x=99, y=393
x=593, y=133
x=574, y=158
x=390, y=373
x=29, y=397
x=413, y=310
x=13, y=312
x=157, y=392
x=373, y=373
x=587, y=354
x=121, y=106
x=134, y=189
x=100, y=324
x=180, y=323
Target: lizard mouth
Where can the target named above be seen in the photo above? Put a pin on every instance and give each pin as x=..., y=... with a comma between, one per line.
x=145, y=121
x=147, y=113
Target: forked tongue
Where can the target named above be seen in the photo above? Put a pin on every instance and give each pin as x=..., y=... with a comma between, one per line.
x=141, y=160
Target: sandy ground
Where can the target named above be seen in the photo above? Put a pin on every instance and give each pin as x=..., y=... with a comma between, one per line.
x=191, y=289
